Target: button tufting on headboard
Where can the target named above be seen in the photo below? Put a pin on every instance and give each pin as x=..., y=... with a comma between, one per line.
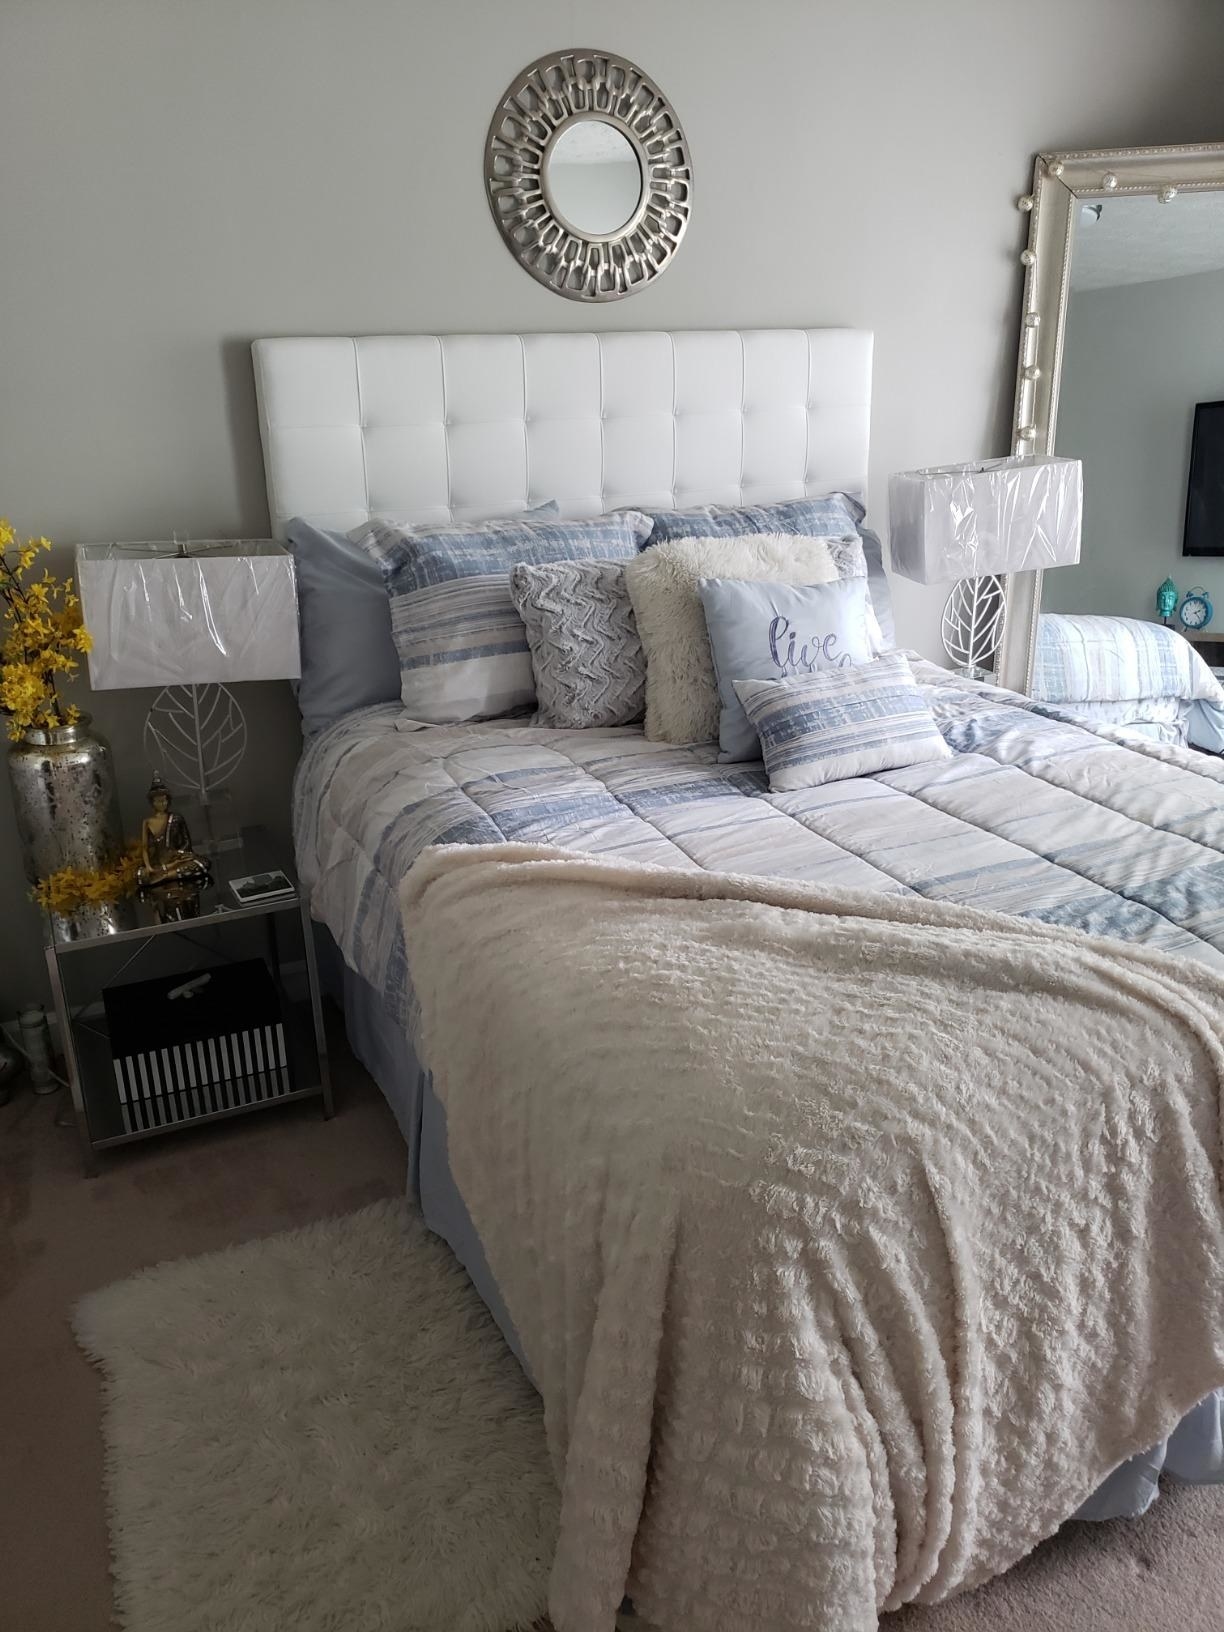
x=435, y=428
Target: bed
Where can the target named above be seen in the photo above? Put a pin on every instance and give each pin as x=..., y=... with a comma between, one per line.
x=1035, y=815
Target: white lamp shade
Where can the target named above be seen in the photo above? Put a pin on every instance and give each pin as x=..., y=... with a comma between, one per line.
x=225, y=612
x=1001, y=515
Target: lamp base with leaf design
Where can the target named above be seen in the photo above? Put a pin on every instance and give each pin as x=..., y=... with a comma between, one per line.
x=973, y=624
x=196, y=737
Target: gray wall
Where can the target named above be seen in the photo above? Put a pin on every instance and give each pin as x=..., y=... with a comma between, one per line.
x=1137, y=360
x=179, y=177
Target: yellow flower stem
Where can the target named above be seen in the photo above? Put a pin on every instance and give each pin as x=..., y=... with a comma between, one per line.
x=14, y=580
x=41, y=640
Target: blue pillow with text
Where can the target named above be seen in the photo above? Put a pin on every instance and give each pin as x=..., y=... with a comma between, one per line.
x=764, y=631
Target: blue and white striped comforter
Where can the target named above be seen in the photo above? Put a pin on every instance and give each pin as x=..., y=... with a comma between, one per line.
x=1034, y=816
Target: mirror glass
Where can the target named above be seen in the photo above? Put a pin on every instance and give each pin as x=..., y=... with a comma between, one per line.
x=594, y=177
x=1141, y=403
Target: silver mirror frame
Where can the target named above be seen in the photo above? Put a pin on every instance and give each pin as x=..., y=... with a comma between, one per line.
x=547, y=98
x=1061, y=181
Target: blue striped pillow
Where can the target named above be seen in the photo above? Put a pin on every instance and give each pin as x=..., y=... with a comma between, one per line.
x=831, y=516
x=462, y=646
x=841, y=722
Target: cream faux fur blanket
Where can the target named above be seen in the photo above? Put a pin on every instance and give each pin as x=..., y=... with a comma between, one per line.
x=852, y=1240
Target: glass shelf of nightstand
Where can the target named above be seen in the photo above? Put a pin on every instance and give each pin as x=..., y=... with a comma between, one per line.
x=137, y=917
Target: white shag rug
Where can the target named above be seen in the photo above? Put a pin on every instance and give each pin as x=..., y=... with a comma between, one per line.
x=319, y=1432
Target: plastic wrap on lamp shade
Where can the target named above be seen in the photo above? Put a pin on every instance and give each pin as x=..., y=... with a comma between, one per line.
x=225, y=612
x=1000, y=515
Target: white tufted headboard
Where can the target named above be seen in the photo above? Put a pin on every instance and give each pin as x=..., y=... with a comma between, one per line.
x=457, y=427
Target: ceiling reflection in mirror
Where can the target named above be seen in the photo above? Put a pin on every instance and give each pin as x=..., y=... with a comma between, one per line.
x=593, y=177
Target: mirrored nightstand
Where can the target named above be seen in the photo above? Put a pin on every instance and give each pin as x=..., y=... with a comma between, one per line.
x=169, y=938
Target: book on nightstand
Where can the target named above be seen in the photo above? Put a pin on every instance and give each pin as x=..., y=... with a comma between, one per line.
x=256, y=887
x=187, y=1046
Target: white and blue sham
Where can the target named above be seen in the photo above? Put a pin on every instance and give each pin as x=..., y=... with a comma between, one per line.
x=842, y=723
x=349, y=659
x=771, y=631
x=462, y=646
x=829, y=516
x=1128, y=673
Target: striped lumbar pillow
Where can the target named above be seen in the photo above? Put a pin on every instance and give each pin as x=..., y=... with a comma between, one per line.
x=841, y=723
x=462, y=646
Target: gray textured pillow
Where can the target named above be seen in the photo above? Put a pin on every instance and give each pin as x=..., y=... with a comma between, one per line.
x=588, y=661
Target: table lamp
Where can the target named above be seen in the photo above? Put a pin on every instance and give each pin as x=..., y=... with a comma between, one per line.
x=193, y=619
x=976, y=523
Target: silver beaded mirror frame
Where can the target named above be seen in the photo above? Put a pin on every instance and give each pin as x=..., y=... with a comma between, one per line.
x=547, y=99
x=1061, y=183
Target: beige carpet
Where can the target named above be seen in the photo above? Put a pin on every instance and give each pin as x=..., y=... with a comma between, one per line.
x=1161, y=1573
x=323, y=1431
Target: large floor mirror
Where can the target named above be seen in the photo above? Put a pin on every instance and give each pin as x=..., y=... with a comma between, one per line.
x=1122, y=367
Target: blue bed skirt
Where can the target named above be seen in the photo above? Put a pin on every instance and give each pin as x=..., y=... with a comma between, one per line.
x=1193, y=1452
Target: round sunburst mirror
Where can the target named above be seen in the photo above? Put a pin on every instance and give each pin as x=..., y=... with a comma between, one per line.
x=588, y=175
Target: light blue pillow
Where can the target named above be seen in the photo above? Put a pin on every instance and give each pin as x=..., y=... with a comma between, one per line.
x=462, y=647
x=764, y=631
x=842, y=723
x=348, y=655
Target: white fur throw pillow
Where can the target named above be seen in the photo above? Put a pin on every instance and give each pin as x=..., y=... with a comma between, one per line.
x=682, y=703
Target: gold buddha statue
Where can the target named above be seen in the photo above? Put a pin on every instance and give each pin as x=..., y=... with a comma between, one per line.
x=166, y=856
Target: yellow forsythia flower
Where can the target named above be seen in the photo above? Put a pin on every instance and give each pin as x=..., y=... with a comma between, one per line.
x=72, y=887
x=43, y=635
x=21, y=691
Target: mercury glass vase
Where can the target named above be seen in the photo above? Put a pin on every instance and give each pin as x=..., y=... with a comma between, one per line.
x=94, y=920
x=65, y=799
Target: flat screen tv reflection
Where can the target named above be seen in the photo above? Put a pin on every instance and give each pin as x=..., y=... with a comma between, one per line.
x=1205, y=490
